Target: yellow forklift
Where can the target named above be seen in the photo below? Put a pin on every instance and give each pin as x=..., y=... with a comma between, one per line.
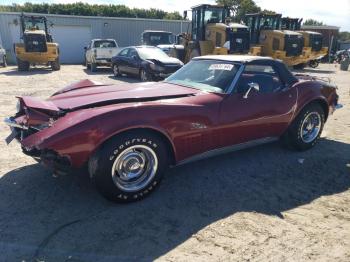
x=212, y=33
x=267, y=39
x=37, y=46
x=313, y=41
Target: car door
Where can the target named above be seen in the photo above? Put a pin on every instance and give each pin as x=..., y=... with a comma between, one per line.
x=134, y=62
x=129, y=61
x=122, y=60
x=255, y=115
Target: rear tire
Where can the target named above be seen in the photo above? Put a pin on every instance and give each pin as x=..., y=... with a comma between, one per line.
x=314, y=63
x=116, y=71
x=93, y=67
x=300, y=66
x=306, y=128
x=87, y=64
x=55, y=66
x=5, y=62
x=129, y=166
x=22, y=65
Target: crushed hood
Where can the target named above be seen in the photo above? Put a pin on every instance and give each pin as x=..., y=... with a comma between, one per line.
x=166, y=60
x=99, y=95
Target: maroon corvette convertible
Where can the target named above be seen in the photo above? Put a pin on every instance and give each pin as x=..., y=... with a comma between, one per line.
x=128, y=134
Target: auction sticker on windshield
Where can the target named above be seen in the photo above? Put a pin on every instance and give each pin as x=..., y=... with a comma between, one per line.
x=227, y=67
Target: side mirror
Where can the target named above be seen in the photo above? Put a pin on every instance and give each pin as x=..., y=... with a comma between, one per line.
x=85, y=48
x=254, y=86
x=134, y=57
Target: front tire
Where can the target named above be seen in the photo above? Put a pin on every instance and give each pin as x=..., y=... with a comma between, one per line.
x=306, y=129
x=116, y=71
x=144, y=76
x=55, y=65
x=300, y=66
x=22, y=65
x=129, y=166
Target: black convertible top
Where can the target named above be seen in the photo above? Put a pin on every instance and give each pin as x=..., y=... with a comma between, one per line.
x=282, y=69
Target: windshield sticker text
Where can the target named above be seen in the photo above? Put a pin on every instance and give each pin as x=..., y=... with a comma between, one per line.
x=227, y=67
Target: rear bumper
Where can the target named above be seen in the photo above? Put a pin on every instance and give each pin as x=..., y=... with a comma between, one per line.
x=39, y=58
x=103, y=61
x=334, y=108
x=338, y=106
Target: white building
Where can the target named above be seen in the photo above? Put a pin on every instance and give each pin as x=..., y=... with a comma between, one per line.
x=74, y=32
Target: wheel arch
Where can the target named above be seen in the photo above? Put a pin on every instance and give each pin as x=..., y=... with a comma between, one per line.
x=163, y=136
x=320, y=101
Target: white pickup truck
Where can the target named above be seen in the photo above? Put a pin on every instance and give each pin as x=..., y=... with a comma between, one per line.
x=100, y=52
x=2, y=57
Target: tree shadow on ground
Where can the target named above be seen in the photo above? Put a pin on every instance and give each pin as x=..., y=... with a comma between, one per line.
x=32, y=71
x=53, y=218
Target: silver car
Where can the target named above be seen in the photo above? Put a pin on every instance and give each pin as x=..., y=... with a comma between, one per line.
x=2, y=57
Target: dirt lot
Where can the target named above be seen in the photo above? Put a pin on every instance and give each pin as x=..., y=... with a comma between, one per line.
x=260, y=204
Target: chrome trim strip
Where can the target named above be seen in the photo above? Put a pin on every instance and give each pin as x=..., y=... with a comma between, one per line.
x=8, y=121
x=235, y=80
x=227, y=149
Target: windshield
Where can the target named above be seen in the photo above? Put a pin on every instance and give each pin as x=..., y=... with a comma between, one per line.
x=34, y=23
x=207, y=75
x=160, y=39
x=104, y=44
x=268, y=23
x=215, y=15
x=151, y=53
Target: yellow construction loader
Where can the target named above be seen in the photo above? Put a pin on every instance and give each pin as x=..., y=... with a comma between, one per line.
x=212, y=33
x=313, y=41
x=268, y=39
x=37, y=46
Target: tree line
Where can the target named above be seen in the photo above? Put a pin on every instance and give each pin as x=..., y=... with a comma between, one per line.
x=85, y=9
x=238, y=7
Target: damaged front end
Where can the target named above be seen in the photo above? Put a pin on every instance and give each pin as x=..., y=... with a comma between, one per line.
x=32, y=117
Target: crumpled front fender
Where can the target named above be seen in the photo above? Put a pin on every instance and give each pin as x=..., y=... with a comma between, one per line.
x=78, y=134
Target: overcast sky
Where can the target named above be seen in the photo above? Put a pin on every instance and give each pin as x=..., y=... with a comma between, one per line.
x=336, y=12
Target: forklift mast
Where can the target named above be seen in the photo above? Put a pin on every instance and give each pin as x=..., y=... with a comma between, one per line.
x=204, y=14
x=259, y=21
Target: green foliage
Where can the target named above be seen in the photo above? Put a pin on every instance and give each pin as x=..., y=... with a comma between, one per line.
x=312, y=22
x=344, y=36
x=242, y=7
x=85, y=9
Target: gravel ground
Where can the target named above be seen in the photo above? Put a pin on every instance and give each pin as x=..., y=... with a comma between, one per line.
x=260, y=204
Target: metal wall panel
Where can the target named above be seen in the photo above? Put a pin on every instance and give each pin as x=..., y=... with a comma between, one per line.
x=127, y=31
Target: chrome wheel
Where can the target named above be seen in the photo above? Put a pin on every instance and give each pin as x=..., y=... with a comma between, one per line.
x=310, y=127
x=134, y=168
x=143, y=76
x=116, y=70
